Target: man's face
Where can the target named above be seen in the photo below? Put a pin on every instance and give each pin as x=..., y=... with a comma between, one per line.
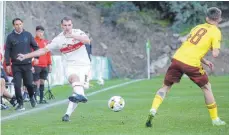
x=18, y=26
x=40, y=34
x=67, y=26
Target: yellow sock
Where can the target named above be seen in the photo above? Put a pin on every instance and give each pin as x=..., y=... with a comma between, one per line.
x=157, y=101
x=212, y=108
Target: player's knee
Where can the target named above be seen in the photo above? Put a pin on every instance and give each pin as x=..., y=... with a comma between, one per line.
x=206, y=87
x=74, y=78
x=163, y=90
x=167, y=82
x=166, y=88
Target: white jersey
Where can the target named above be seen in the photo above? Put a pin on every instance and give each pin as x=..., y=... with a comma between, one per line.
x=73, y=51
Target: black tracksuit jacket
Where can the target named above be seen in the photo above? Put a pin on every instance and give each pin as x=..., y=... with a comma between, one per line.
x=19, y=43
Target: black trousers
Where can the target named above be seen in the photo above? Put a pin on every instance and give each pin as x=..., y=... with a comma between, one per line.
x=22, y=72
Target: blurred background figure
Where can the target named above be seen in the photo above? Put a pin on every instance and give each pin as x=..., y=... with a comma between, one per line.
x=43, y=67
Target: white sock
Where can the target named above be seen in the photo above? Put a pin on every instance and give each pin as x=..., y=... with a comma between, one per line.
x=71, y=107
x=78, y=88
x=74, y=107
x=153, y=111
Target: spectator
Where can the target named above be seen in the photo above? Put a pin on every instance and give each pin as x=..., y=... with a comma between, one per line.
x=6, y=94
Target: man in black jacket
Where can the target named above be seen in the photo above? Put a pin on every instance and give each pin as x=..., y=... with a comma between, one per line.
x=20, y=41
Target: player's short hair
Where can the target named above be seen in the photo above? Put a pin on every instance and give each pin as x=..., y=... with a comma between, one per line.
x=66, y=19
x=16, y=19
x=214, y=13
x=40, y=28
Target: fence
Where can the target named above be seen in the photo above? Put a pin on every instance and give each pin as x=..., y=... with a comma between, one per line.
x=100, y=68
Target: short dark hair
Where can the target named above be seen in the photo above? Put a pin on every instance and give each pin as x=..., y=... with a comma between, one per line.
x=40, y=28
x=16, y=19
x=214, y=13
x=65, y=19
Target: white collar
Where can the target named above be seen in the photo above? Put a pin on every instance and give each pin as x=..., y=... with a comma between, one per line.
x=17, y=32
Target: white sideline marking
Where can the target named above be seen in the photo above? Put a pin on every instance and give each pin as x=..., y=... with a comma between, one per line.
x=63, y=101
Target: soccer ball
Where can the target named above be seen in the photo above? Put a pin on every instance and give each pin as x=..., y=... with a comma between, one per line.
x=116, y=103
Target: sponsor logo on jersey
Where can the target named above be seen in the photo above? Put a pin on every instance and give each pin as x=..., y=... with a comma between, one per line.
x=71, y=47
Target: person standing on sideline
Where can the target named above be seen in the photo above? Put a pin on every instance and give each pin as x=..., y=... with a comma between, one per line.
x=43, y=67
x=20, y=41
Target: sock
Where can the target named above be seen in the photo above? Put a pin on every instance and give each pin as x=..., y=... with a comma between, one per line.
x=35, y=89
x=156, y=102
x=30, y=90
x=71, y=107
x=78, y=88
x=74, y=107
x=212, y=108
x=42, y=87
x=13, y=101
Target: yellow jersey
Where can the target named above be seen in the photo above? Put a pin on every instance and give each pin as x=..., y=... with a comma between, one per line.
x=201, y=39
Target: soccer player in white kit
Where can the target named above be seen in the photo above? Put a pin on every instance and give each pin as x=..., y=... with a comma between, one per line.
x=70, y=45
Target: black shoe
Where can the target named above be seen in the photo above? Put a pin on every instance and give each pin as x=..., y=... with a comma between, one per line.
x=13, y=101
x=78, y=98
x=149, y=121
x=65, y=118
x=33, y=102
x=20, y=108
x=43, y=102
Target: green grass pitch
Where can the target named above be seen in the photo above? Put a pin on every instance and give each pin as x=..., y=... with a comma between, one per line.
x=183, y=112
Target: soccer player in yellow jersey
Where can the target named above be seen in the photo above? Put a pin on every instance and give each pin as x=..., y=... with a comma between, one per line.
x=187, y=60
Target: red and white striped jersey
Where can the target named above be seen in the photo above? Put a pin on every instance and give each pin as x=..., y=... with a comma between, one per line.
x=73, y=51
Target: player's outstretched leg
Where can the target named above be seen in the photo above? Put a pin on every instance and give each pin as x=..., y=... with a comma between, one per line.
x=77, y=96
x=211, y=105
x=161, y=93
x=71, y=107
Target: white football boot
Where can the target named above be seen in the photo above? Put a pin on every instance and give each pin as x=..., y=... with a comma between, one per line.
x=218, y=122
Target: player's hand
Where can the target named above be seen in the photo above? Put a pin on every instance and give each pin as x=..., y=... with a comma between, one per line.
x=210, y=65
x=8, y=69
x=21, y=57
x=36, y=61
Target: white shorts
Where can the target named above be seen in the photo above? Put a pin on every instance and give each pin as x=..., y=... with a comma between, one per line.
x=81, y=71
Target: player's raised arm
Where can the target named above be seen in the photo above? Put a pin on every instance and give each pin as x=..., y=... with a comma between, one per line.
x=82, y=37
x=216, y=44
